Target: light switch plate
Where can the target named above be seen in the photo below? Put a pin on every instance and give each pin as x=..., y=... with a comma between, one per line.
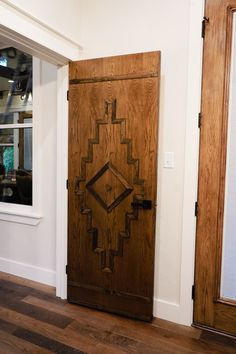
x=169, y=159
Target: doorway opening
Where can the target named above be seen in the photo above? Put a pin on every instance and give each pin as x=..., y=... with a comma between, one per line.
x=52, y=138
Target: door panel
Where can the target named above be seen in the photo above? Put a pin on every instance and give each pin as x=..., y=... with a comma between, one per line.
x=113, y=105
x=210, y=308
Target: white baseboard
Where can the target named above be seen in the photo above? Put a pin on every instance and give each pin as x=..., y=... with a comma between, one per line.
x=28, y=271
x=169, y=311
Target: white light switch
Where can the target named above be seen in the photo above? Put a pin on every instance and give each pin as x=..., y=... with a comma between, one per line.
x=169, y=160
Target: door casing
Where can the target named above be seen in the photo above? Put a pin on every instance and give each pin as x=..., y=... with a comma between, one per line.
x=210, y=309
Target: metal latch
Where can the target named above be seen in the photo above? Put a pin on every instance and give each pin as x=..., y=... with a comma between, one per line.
x=142, y=204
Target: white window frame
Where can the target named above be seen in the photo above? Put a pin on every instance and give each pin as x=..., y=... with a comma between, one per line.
x=27, y=214
x=28, y=34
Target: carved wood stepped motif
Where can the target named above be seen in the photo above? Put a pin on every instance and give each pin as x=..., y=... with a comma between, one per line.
x=106, y=198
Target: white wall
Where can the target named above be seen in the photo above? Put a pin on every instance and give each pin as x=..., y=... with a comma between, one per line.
x=63, y=15
x=110, y=27
x=121, y=27
x=27, y=250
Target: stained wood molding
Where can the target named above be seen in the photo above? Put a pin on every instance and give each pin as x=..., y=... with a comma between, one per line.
x=28, y=33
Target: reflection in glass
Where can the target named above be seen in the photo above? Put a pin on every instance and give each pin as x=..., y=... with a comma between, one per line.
x=16, y=166
x=228, y=279
x=15, y=126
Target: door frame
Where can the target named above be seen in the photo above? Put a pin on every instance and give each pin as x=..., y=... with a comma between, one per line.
x=213, y=309
x=53, y=49
x=192, y=141
x=182, y=312
x=20, y=29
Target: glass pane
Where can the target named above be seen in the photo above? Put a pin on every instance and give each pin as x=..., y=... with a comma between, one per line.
x=228, y=281
x=15, y=83
x=15, y=143
x=7, y=118
x=16, y=166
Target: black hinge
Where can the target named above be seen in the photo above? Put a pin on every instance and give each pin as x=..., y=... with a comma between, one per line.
x=66, y=269
x=67, y=95
x=199, y=120
x=67, y=183
x=204, y=21
x=193, y=292
x=196, y=209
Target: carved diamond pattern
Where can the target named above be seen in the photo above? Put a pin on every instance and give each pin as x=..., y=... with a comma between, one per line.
x=109, y=187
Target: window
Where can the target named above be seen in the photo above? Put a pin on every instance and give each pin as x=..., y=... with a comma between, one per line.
x=16, y=124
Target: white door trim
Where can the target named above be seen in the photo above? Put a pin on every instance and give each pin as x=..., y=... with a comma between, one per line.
x=27, y=33
x=62, y=175
x=182, y=312
x=191, y=161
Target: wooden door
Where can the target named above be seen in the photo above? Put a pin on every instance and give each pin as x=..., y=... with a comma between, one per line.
x=113, y=116
x=211, y=309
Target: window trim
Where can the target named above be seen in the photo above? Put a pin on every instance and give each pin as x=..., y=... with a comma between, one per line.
x=16, y=126
x=22, y=31
x=27, y=214
x=20, y=217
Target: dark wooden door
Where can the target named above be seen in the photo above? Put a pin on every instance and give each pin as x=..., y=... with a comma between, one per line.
x=113, y=117
x=211, y=309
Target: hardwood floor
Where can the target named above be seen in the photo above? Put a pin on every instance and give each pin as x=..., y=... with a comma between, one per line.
x=33, y=320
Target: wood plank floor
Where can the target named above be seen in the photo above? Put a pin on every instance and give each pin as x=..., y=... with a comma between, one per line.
x=33, y=320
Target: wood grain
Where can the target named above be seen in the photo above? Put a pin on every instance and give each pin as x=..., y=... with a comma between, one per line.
x=12, y=345
x=124, y=65
x=32, y=285
x=11, y=299
x=208, y=308
x=45, y=342
x=91, y=331
x=113, y=120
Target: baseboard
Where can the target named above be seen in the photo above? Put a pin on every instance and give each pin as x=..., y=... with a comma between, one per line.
x=28, y=271
x=168, y=311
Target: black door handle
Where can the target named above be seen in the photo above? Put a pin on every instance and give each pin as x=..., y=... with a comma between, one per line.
x=142, y=204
